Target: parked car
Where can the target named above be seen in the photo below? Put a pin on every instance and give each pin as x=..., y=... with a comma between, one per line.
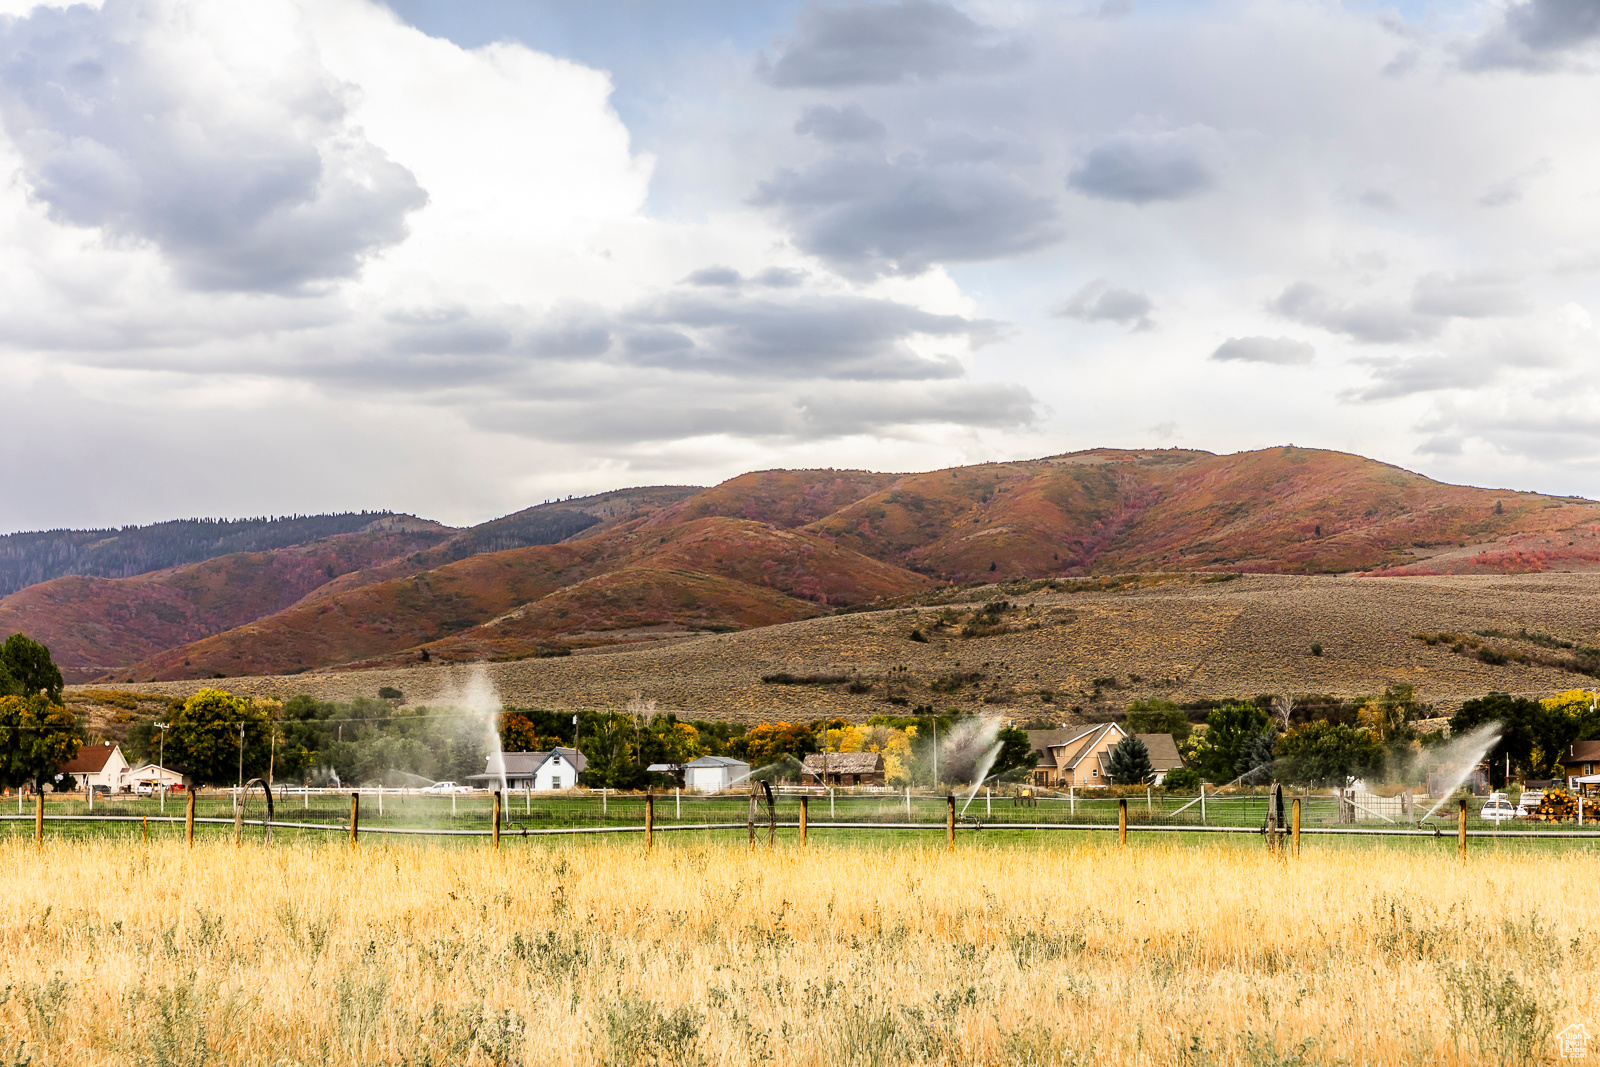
x=1498, y=808
x=445, y=787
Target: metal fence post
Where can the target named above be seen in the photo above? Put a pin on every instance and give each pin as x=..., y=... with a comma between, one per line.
x=1122, y=822
x=805, y=806
x=1461, y=829
x=1296, y=827
x=188, y=819
x=495, y=833
x=950, y=823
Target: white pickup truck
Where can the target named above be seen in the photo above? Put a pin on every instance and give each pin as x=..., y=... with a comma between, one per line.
x=1529, y=802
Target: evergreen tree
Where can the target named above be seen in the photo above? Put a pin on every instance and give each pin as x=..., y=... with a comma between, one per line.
x=1129, y=763
x=1255, y=762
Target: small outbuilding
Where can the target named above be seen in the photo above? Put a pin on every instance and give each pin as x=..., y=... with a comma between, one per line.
x=712, y=774
x=151, y=776
x=843, y=768
x=100, y=766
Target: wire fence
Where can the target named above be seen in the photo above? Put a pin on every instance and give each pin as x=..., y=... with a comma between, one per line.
x=848, y=813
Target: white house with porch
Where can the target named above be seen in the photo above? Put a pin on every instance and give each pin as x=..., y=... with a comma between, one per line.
x=100, y=766
x=543, y=772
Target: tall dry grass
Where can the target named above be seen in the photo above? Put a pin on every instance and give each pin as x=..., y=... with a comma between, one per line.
x=715, y=955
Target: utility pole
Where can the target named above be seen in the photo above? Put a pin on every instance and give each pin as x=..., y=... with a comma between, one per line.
x=161, y=761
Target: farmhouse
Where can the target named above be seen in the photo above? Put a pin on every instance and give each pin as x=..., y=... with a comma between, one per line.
x=712, y=774
x=541, y=772
x=843, y=768
x=1079, y=758
x=1582, y=759
x=100, y=766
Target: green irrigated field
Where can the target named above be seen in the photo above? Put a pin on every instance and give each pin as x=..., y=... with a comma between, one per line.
x=843, y=818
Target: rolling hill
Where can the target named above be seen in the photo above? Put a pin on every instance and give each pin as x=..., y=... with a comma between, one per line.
x=664, y=563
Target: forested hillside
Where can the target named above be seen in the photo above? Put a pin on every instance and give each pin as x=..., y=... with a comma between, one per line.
x=29, y=558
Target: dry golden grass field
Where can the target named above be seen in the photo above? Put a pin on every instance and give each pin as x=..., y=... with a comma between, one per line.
x=1177, y=638
x=117, y=953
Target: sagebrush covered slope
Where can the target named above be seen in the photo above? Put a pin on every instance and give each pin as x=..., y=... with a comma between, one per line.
x=783, y=545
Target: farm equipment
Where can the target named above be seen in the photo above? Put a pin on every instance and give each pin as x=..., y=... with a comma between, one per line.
x=1559, y=805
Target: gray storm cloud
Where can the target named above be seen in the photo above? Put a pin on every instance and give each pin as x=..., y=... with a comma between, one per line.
x=243, y=183
x=1100, y=301
x=884, y=44
x=1141, y=168
x=1536, y=35
x=1370, y=322
x=1282, y=351
x=839, y=125
x=835, y=337
x=868, y=215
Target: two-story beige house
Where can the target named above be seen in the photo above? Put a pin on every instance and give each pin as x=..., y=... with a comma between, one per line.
x=1078, y=757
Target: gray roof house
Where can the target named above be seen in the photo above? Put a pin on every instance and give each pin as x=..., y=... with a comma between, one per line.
x=538, y=771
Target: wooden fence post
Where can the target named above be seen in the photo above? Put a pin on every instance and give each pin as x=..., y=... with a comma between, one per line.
x=772, y=817
x=355, y=816
x=188, y=819
x=1122, y=822
x=805, y=805
x=1461, y=829
x=750, y=816
x=495, y=833
x=38, y=820
x=649, y=821
x=950, y=823
x=146, y=821
x=1274, y=802
x=1296, y=827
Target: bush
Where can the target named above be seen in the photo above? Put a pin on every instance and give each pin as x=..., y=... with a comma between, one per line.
x=389, y=692
x=1181, y=780
x=1316, y=649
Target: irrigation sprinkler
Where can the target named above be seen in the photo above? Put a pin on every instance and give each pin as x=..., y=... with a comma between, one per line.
x=246, y=815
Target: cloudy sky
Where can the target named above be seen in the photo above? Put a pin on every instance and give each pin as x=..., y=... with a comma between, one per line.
x=455, y=259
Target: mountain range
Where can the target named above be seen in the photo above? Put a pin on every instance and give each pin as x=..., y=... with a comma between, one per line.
x=658, y=563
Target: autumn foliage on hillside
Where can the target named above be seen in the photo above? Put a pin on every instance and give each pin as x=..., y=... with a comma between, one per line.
x=777, y=546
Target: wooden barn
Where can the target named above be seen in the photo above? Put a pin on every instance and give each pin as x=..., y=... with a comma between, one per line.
x=843, y=768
